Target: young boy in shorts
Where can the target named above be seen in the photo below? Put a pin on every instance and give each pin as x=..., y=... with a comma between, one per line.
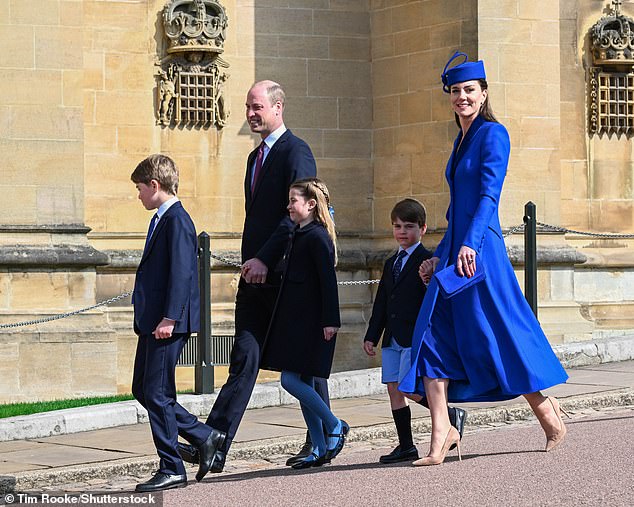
x=396, y=306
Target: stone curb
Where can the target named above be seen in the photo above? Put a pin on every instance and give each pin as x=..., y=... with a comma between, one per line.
x=73, y=420
x=141, y=467
x=341, y=385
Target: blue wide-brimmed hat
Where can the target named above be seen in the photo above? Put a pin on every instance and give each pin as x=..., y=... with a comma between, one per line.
x=465, y=71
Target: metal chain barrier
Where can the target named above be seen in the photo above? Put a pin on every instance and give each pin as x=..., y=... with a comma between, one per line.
x=230, y=262
x=67, y=314
x=555, y=228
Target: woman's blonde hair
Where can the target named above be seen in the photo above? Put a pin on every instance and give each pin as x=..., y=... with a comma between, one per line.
x=314, y=188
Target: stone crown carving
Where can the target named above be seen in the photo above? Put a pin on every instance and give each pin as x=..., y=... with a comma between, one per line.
x=195, y=25
x=612, y=39
x=191, y=76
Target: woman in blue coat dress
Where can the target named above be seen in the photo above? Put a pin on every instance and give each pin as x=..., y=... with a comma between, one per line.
x=484, y=343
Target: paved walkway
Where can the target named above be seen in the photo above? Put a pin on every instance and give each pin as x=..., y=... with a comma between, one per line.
x=46, y=463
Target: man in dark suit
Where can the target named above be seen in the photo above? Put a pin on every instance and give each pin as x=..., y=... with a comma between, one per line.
x=166, y=311
x=396, y=306
x=279, y=160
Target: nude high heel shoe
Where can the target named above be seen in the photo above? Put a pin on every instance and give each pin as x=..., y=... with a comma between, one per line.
x=453, y=437
x=557, y=438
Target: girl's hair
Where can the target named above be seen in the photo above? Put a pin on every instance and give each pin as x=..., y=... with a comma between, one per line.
x=314, y=188
x=485, y=111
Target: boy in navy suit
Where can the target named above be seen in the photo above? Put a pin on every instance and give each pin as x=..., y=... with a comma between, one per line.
x=396, y=306
x=166, y=311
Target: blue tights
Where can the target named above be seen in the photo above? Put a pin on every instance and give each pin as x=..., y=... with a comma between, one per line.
x=316, y=413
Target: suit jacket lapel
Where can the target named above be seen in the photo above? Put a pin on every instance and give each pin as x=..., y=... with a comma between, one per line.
x=268, y=162
x=412, y=261
x=159, y=228
x=247, y=179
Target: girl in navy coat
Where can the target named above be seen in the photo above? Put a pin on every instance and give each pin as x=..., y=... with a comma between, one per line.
x=484, y=343
x=301, y=338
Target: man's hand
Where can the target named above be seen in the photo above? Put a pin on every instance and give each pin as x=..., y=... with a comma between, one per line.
x=329, y=332
x=164, y=329
x=368, y=347
x=254, y=271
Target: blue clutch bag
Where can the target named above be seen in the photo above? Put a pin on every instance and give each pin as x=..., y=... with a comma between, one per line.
x=451, y=283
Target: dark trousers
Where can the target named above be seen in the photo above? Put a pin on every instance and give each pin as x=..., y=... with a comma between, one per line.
x=254, y=308
x=154, y=387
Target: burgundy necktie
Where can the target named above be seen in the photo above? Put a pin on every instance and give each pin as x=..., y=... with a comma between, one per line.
x=258, y=166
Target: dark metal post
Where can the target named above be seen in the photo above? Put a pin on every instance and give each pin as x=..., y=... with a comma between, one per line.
x=204, y=368
x=530, y=255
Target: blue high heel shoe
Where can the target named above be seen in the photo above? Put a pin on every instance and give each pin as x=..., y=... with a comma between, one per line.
x=341, y=441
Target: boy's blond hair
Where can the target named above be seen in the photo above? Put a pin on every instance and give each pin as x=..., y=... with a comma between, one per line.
x=160, y=168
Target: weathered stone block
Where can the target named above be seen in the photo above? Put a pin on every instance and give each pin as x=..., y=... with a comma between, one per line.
x=349, y=48
x=57, y=48
x=25, y=13
x=348, y=143
x=415, y=107
x=339, y=22
x=311, y=112
x=353, y=78
x=385, y=111
x=390, y=76
x=14, y=89
x=412, y=41
x=17, y=44
x=382, y=47
x=298, y=46
x=355, y=113
x=288, y=21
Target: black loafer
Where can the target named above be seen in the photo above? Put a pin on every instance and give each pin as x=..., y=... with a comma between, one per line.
x=332, y=453
x=457, y=418
x=207, y=452
x=162, y=481
x=304, y=452
x=312, y=460
x=398, y=455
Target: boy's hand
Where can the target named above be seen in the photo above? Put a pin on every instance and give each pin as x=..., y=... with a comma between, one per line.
x=368, y=347
x=427, y=268
x=329, y=332
x=164, y=329
x=254, y=271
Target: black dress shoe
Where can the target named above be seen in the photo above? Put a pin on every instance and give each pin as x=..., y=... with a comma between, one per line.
x=332, y=453
x=162, y=481
x=305, y=451
x=398, y=455
x=219, y=463
x=457, y=418
x=312, y=460
x=188, y=453
x=207, y=452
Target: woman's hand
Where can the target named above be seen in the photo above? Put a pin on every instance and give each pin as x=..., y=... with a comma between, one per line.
x=329, y=332
x=466, y=261
x=427, y=268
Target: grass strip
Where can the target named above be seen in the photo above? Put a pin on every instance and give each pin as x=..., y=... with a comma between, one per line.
x=17, y=409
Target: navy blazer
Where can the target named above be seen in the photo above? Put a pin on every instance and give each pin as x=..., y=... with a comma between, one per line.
x=397, y=304
x=267, y=225
x=166, y=283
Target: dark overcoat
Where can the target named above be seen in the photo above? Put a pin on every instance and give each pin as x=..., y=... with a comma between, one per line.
x=308, y=301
